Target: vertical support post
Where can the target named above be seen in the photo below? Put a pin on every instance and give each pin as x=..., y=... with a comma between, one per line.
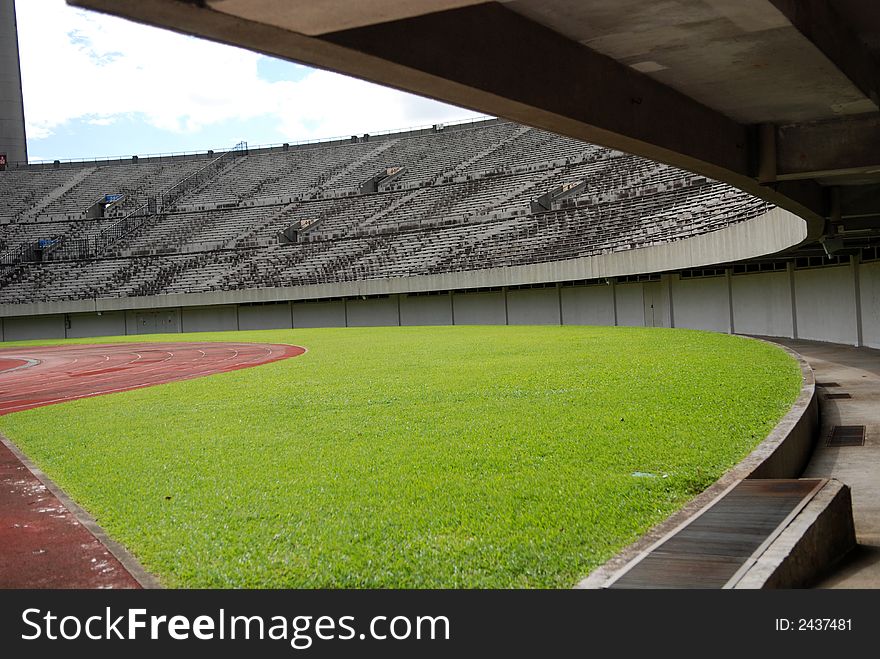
x=731, y=328
x=766, y=153
x=854, y=264
x=789, y=267
x=614, y=298
x=559, y=300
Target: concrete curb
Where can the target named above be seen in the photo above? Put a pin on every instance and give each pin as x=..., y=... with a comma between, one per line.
x=128, y=561
x=815, y=539
x=783, y=454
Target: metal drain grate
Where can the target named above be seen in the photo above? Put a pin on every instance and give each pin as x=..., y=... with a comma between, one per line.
x=837, y=396
x=827, y=384
x=846, y=436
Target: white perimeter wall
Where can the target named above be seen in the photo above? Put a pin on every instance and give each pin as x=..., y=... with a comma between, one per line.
x=588, y=305
x=869, y=284
x=264, y=316
x=319, y=314
x=816, y=303
x=825, y=301
x=630, y=304
x=381, y=312
x=426, y=309
x=110, y=323
x=207, y=319
x=533, y=306
x=762, y=304
x=702, y=303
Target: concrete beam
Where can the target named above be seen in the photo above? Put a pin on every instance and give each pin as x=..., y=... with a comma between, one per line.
x=314, y=18
x=819, y=22
x=829, y=148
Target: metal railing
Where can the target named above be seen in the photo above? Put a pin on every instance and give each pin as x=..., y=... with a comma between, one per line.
x=158, y=205
x=176, y=155
x=167, y=198
x=134, y=220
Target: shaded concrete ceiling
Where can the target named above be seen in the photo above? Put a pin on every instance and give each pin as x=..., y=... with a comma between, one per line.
x=777, y=97
x=743, y=58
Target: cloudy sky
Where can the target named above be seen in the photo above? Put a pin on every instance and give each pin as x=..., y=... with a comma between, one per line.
x=95, y=85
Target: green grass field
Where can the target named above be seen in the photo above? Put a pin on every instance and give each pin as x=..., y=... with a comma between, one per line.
x=413, y=457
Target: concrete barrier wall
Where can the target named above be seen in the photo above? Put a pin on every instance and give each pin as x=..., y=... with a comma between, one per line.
x=630, y=305
x=812, y=303
x=426, y=309
x=869, y=298
x=111, y=323
x=208, y=319
x=319, y=314
x=479, y=309
x=702, y=303
x=381, y=312
x=588, y=305
x=265, y=316
x=150, y=321
x=825, y=301
x=533, y=306
x=762, y=304
x=34, y=327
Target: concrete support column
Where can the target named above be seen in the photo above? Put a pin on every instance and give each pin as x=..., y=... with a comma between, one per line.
x=12, y=135
x=854, y=263
x=789, y=267
x=614, y=298
x=559, y=300
x=731, y=327
x=669, y=283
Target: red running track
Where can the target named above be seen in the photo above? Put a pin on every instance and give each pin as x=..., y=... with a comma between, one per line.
x=42, y=542
x=36, y=376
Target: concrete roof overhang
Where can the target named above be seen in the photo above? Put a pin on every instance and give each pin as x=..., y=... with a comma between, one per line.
x=776, y=97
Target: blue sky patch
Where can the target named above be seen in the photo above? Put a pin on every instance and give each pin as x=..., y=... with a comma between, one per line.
x=276, y=70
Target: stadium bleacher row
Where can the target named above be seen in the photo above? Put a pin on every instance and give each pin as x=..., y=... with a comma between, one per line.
x=484, y=195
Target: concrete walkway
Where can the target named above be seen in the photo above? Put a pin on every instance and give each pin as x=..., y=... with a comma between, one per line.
x=856, y=371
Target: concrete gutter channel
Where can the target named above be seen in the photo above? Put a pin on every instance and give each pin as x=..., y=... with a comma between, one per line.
x=805, y=546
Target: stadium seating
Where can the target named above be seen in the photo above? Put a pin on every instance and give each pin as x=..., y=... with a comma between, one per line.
x=460, y=199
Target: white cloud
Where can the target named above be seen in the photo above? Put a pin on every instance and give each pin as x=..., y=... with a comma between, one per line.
x=96, y=68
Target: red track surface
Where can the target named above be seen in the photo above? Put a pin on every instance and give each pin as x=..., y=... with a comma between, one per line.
x=42, y=544
x=62, y=373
